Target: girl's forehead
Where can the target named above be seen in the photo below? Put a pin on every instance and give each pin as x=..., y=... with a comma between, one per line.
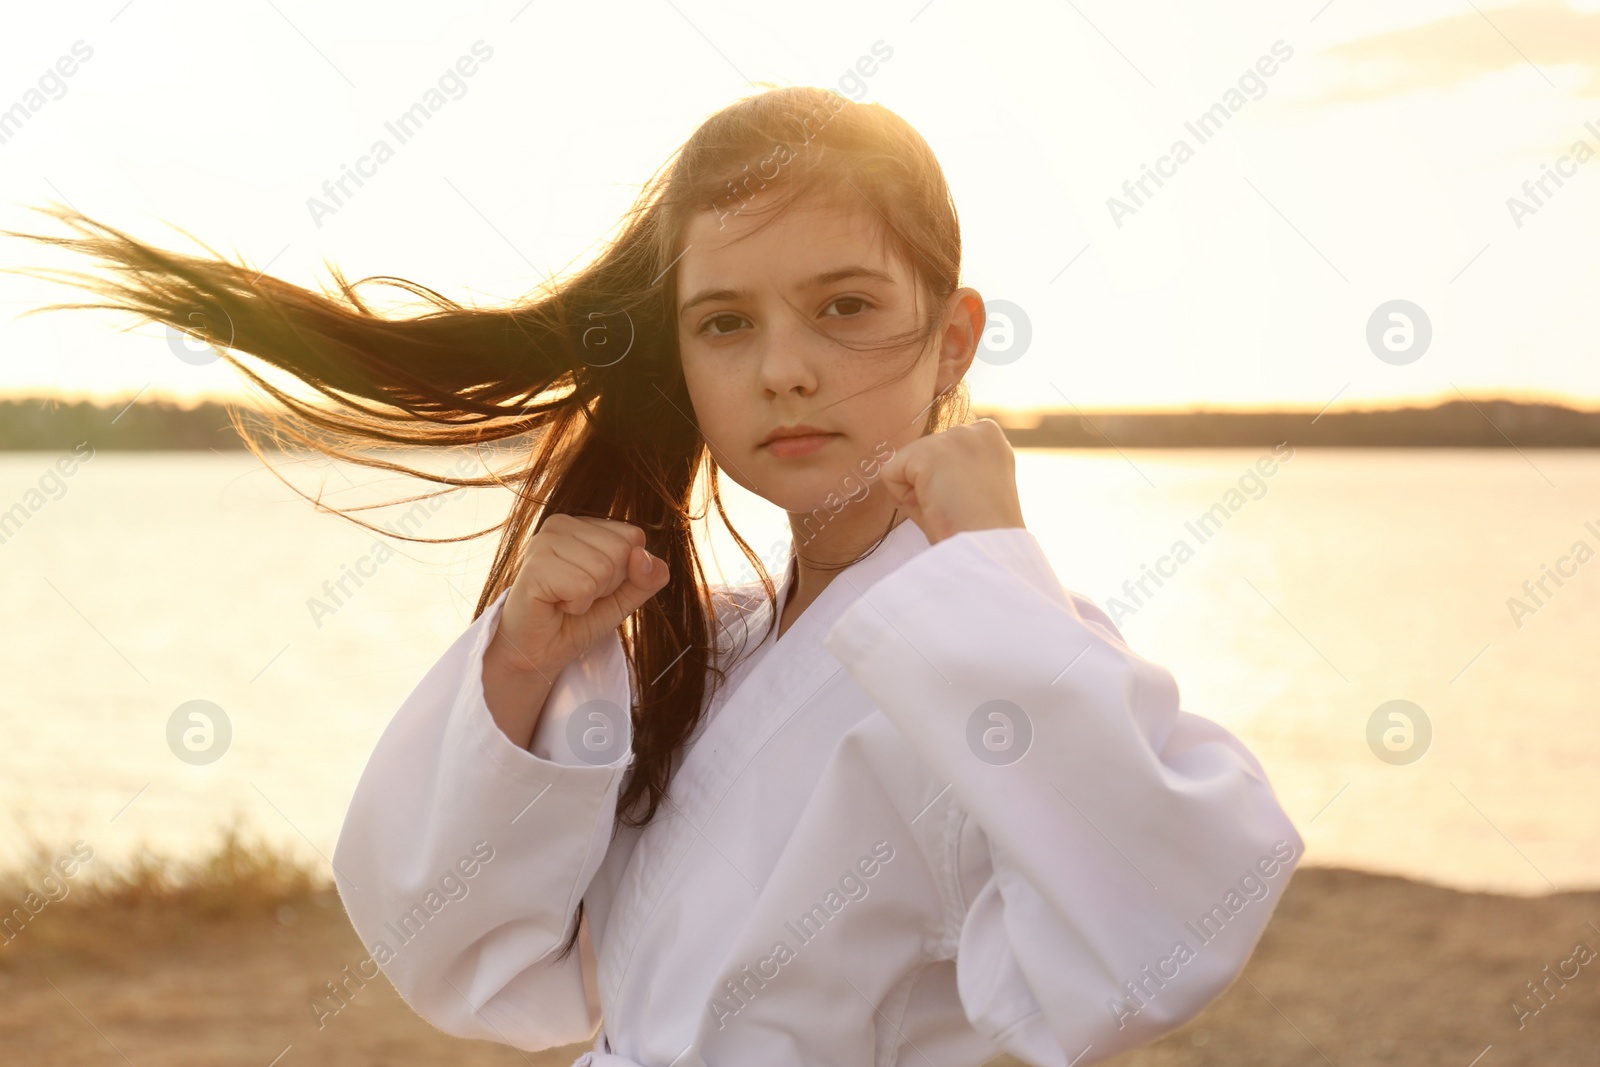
x=800, y=240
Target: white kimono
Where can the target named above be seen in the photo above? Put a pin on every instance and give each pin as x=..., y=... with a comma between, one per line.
x=948, y=814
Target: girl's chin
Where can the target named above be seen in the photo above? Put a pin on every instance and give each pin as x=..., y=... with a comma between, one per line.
x=823, y=498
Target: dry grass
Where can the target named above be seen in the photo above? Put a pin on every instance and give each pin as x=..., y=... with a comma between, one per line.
x=240, y=875
x=218, y=960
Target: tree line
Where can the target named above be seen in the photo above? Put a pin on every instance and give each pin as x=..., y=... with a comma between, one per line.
x=48, y=424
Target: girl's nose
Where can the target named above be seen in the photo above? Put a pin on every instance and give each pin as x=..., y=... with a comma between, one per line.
x=788, y=359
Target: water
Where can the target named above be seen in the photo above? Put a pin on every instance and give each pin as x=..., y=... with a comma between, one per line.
x=1344, y=579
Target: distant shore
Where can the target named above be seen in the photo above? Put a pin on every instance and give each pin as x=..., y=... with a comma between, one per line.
x=49, y=425
x=248, y=956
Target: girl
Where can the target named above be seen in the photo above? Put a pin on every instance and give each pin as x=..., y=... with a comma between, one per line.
x=921, y=804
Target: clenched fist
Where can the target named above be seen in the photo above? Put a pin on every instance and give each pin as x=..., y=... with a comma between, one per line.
x=963, y=478
x=580, y=578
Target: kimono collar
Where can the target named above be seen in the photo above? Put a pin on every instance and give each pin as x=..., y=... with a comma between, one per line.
x=902, y=543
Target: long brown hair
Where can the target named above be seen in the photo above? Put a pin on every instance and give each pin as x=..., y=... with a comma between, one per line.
x=584, y=372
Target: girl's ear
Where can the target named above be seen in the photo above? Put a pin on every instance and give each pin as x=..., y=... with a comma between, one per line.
x=964, y=321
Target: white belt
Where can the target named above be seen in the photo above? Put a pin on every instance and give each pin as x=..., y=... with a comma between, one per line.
x=602, y=1056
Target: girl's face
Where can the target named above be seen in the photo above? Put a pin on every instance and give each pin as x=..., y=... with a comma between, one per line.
x=753, y=366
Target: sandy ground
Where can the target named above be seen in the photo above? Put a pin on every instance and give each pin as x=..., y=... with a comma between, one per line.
x=1354, y=969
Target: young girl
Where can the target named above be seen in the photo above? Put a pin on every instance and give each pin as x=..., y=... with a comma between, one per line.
x=921, y=804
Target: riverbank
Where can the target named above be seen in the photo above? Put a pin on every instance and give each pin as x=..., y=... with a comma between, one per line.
x=228, y=963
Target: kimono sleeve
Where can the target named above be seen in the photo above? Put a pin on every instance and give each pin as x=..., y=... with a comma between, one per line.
x=463, y=857
x=1134, y=851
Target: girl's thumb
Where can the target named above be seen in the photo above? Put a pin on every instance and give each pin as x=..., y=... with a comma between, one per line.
x=646, y=576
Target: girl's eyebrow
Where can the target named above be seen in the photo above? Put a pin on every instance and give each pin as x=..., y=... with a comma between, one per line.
x=827, y=277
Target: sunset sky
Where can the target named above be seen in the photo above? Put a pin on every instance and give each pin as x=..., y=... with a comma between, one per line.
x=1383, y=158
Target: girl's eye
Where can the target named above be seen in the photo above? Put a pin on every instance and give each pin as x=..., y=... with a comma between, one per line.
x=705, y=327
x=860, y=303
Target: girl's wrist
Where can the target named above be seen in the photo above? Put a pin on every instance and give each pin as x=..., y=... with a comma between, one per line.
x=515, y=691
x=507, y=657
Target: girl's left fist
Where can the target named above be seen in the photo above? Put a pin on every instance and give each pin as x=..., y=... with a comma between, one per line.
x=963, y=478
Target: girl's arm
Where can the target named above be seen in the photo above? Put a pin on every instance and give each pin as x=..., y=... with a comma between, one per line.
x=463, y=856
x=514, y=689
x=1134, y=851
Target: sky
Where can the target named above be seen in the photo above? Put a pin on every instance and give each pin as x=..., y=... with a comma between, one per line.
x=1357, y=155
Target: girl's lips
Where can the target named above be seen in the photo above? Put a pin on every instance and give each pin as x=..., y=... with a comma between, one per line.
x=788, y=447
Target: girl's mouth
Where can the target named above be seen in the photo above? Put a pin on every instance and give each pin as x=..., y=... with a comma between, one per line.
x=804, y=445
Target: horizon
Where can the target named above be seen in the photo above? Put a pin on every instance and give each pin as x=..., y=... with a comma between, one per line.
x=190, y=403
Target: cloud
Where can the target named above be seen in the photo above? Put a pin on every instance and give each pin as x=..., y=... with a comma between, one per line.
x=1444, y=53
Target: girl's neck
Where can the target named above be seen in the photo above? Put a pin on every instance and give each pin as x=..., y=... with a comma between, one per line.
x=823, y=554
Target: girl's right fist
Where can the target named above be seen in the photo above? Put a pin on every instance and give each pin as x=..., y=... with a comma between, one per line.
x=580, y=578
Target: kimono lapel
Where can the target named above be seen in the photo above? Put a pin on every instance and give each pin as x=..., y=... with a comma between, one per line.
x=754, y=708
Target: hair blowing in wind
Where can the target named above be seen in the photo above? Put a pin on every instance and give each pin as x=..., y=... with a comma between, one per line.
x=581, y=378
